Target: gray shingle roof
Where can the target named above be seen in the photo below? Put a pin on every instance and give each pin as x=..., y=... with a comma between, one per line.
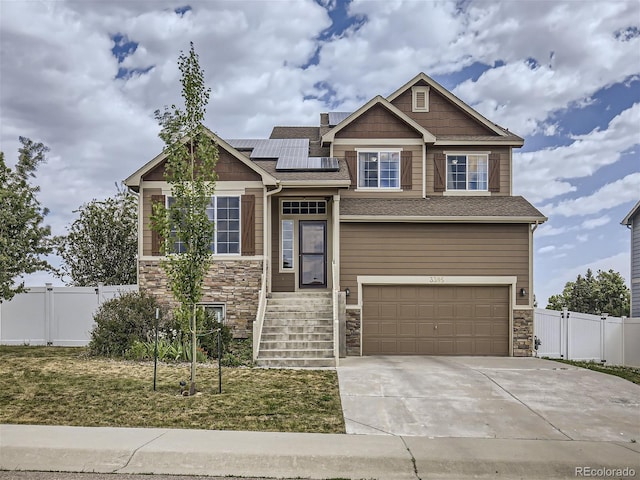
x=270, y=167
x=442, y=206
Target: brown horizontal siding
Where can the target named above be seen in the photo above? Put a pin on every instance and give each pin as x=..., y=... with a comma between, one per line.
x=280, y=282
x=433, y=249
x=146, y=218
x=259, y=216
x=416, y=171
x=443, y=117
x=378, y=122
x=228, y=168
x=505, y=165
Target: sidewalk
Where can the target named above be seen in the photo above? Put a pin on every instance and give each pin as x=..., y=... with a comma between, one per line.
x=300, y=455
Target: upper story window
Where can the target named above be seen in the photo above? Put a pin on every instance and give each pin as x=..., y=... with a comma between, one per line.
x=420, y=99
x=467, y=172
x=379, y=169
x=225, y=213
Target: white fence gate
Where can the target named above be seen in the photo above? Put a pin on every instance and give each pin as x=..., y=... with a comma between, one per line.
x=580, y=336
x=61, y=316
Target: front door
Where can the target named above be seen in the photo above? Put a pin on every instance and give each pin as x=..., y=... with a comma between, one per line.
x=313, y=254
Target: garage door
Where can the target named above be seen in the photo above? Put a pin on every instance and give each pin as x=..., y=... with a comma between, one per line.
x=435, y=320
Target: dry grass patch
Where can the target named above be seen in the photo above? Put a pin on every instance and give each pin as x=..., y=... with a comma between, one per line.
x=62, y=386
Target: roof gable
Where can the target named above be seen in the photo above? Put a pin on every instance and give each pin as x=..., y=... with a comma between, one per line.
x=379, y=101
x=423, y=79
x=152, y=167
x=634, y=211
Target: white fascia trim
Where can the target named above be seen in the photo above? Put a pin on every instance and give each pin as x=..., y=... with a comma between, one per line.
x=430, y=219
x=316, y=183
x=466, y=143
x=237, y=186
x=372, y=142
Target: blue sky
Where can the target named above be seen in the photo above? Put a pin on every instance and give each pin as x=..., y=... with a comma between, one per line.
x=86, y=77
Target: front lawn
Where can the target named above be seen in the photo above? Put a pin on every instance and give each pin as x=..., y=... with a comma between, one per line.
x=63, y=386
x=628, y=373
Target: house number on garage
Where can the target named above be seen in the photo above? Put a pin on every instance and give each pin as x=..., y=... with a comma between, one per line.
x=436, y=279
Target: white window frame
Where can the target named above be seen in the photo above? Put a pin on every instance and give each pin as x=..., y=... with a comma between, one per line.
x=414, y=99
x=215, y=221
x=378, y=151
x=216, y=305
x=467, y=155
x=293, y=245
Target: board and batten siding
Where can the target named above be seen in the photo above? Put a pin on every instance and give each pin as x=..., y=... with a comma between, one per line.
x=147, y=234
x=635, y=266
x=505, y=165
x=433, y=249
x=416, y=171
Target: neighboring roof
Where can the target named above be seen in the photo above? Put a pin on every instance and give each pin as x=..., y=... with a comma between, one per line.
x=455, y=100
x=134, y=179
x=635, y=210
x=445, y=208
x=321, y=179
x=427, y=136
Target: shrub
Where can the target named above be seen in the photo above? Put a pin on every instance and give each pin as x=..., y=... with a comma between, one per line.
x=122, y=321
x=208, y=335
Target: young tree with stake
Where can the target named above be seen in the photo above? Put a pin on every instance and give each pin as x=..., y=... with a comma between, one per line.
x=191, y=157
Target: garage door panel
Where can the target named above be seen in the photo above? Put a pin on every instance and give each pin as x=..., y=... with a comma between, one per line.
x=407, y=329
x=435, y=320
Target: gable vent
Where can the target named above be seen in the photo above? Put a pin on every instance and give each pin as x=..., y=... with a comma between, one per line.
x=420, y=99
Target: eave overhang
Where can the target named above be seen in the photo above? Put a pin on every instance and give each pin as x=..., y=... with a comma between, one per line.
x=133, y=181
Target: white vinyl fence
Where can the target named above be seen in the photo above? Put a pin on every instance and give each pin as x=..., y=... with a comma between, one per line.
x=61, y=316
x=579, y=336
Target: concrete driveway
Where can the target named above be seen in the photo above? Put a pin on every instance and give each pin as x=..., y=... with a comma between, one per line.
x=486, y=397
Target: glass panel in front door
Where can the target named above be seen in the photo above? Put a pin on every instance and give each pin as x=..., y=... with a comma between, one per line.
x=313, y=253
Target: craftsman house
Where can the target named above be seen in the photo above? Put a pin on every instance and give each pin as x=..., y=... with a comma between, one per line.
x=389, y=230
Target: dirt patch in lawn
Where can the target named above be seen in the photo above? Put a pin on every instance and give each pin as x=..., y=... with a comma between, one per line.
x=63, y=386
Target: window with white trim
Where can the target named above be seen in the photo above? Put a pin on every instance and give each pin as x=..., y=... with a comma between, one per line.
x=379, y=169
x=467, y=172
x=420, y=99
x=287, y=245
x=225, y=213
x=217, y=311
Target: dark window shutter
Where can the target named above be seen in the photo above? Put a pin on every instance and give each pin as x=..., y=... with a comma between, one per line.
x=406, y=172
x=352, y=162
x=156, y=239
x=248, y=225
x=494, y=172
x=439, y=172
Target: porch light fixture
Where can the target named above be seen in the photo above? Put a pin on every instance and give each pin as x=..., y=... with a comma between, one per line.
x=347, y=292
x=523, y=292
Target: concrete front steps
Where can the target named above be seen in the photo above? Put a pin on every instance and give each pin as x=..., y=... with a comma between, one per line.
x=297, y=331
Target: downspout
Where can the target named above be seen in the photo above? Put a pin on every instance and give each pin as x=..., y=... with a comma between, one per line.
x=424, y=170
x=267, y=233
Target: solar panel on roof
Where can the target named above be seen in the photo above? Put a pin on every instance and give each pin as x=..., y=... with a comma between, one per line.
x=336, y=117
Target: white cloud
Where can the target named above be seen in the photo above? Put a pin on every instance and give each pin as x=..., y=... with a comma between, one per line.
x=582, y=238
x=547, y=249
x=595, y=222
x=548, y=230
x=545, y=173
x=609, y=196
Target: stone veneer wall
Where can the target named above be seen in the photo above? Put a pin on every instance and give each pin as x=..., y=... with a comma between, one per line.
x=353, y=332
x=522, y=333
x=235, y=283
